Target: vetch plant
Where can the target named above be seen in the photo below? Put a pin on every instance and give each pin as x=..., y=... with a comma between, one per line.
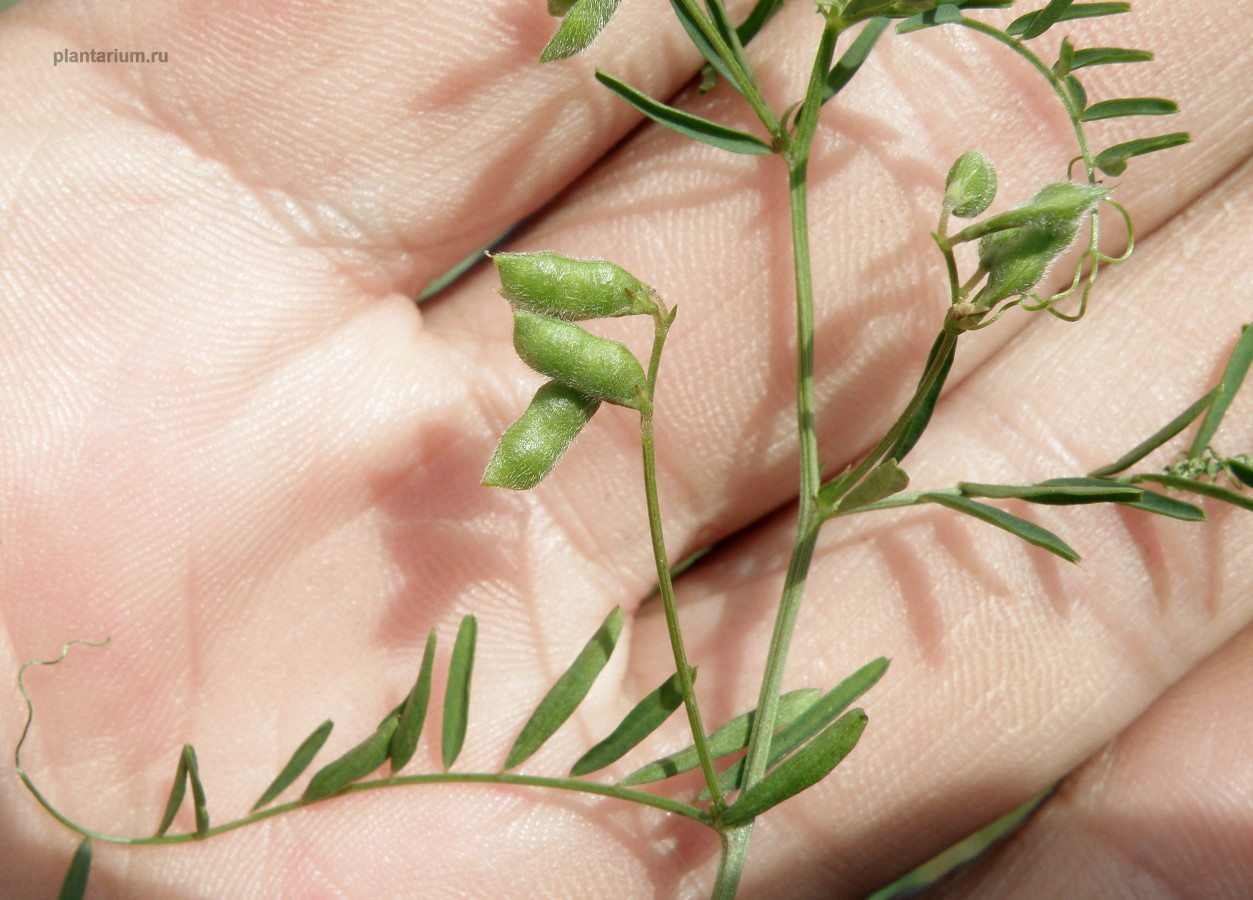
x=790, y=740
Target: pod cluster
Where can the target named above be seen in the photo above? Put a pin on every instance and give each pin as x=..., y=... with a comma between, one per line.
x=549, y=293
x=1016, y=248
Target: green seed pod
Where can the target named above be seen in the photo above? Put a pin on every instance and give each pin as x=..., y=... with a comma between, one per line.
x=567, y=288
x=970, y=186
x=531, y=446
x=1018, y=257
x=594, y=366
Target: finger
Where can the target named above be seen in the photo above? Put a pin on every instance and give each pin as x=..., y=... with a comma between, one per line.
x=706, y=230
x=1009, y=667
x=1157, y=809
x=399, y=136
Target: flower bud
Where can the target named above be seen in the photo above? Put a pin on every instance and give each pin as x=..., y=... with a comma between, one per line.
x=567, y=288
x=531, y=446
x=970, y=186
x=593, y=366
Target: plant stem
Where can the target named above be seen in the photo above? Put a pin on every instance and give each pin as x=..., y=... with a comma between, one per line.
x=665, y=584
x=808, y=519
x=567, y=784
x=731, y=859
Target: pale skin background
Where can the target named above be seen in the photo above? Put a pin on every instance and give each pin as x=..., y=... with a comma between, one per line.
x=232, y=443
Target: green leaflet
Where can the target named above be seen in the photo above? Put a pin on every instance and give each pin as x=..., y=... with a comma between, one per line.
x=1149, y=501
x=856, y=54
x=645, y=718
x=730, y=738
x=1060, y=492
x=686, y=124
x=1045, y=19
x=565, y=696
x=581, y=25
x=177, y=791
x=1233, y=376
x=701, y=43
x=922, y=415
x=74, y=886
x=805, y=768
x=1129, y=106
x=885, y=480
x=1113, y=160
x=944, y=14
x=816, y=717
x=1242, y=471
x=1159, y=437
x=188, y=770
x=1204, y=488
x=413, y=713
x=1028, y=531
x=763, y=11
x=457, y=693
x=299, y=761
x=1103, y=56
x=1073, y=11
x=357, y=763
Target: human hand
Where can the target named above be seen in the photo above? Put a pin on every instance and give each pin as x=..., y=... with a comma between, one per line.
x=231, y=442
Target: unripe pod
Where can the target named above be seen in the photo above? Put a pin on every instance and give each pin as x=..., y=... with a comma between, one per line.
x=970, y=186
x=593, y=366
x=531, y=446
x=1017, y=257
x=567, y=288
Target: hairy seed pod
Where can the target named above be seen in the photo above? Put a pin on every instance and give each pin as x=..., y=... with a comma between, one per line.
x=970, y=186
x=567, y=288
x=593, y=366
x=1018, y=257
x=531, y=446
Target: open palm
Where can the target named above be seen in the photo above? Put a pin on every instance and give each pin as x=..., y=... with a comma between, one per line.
x=233, y=443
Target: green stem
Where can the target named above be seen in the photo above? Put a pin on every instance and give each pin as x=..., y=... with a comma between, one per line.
x=731, y=860
x=808, y=518
x=565, y=784
x=665, y=583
